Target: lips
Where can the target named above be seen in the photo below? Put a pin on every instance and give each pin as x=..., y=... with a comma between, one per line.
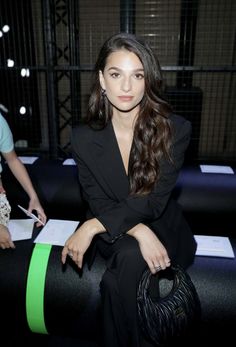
x=125, y=98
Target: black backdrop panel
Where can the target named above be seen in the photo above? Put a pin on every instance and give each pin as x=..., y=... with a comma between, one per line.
x=187, y=102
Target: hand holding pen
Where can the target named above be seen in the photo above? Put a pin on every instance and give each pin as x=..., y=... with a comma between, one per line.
x=31, y=215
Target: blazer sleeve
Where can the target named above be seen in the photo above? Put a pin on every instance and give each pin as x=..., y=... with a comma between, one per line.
x=118, y=217
x=92, y=192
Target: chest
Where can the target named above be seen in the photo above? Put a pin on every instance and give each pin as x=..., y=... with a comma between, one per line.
x=124, y=145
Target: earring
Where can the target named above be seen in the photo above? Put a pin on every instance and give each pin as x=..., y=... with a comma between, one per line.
x=103, y=92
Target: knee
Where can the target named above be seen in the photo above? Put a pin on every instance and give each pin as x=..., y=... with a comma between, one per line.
x=108, y=283
x=125, y=266
x=130, y=255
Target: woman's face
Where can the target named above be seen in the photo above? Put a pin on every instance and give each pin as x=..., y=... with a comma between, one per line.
x=123, y=80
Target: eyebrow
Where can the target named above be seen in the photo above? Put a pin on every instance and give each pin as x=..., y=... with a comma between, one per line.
x=118, y=69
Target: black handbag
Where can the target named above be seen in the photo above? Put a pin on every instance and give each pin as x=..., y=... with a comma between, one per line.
x=164, y=317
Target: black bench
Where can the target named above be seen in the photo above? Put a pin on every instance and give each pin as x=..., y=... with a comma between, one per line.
x=72, y=298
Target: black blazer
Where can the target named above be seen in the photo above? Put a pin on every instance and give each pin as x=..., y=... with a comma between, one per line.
x=105, y=187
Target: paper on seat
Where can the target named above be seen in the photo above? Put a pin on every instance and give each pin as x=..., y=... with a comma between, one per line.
x=20, y=229
x=56, y=232
x=216, y=246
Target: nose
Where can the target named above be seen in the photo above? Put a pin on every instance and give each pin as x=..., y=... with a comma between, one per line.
x=126, y=84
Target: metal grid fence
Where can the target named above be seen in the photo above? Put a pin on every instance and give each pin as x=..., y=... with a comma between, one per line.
x=48, y=49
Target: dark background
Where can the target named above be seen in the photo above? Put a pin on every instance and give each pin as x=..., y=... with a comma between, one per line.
x=58, y=42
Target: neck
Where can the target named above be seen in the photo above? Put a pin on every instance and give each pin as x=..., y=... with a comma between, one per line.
x=124, y=120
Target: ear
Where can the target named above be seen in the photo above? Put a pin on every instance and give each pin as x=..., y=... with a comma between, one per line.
x=102, y=81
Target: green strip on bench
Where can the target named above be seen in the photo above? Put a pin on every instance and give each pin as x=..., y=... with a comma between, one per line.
x=35, y=288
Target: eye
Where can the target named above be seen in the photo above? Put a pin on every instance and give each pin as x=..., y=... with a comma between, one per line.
x=139, y=76
x=115, y=75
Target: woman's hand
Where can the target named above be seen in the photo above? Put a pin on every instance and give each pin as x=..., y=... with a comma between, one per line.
x=153, y=251
x=5, y=238
x=78, y=243
x=34, y=204
x=22, y=176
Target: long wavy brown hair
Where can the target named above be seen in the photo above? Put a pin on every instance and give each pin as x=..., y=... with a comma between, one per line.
x=152, y=131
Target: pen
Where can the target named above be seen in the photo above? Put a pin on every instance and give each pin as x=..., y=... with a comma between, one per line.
x=31, y=215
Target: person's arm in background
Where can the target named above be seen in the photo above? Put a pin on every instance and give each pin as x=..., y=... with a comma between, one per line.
x=19, y=171
x=21, y=174
x=5, y=236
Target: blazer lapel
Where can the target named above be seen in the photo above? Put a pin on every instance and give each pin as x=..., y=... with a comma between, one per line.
x=106, y=155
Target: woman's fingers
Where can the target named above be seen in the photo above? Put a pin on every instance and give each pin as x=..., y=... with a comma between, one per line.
x=75, y=255
x=64, y=254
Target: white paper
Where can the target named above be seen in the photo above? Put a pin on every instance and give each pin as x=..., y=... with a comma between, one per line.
x=216, y=246
x=20, y=229
x=27, y=160
x=69, y=161
x=56, y=232
x=216, y=169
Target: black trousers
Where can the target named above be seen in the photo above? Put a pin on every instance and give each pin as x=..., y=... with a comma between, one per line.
x=125, y=265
